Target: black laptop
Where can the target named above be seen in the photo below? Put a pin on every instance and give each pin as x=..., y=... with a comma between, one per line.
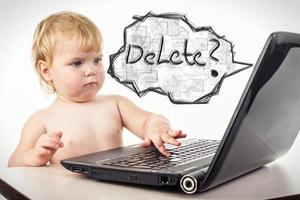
x=263, y=128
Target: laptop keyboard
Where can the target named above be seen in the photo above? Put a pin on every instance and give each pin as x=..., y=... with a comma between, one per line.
x=188, y=151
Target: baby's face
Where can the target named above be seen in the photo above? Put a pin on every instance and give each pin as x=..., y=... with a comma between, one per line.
x=77, y=75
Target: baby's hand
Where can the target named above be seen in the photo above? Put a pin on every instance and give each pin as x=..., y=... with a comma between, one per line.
x=45, y=147
x=159, y=132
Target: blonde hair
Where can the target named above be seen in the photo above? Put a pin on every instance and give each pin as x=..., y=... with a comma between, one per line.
x=67, y=25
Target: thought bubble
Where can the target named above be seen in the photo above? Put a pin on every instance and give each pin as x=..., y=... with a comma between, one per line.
x=166, y=54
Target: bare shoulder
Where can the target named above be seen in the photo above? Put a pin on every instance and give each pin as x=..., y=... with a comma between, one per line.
x=38, y=115
x=122, y=104
x=125, y=105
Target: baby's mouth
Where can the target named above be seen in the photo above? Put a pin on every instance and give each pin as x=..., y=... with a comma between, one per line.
x=90, y=83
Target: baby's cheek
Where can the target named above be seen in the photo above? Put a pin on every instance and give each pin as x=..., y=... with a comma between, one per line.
x=73, y=87
x=101, y=78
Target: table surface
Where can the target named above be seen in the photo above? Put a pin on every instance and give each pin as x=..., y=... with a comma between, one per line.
x=277, y=179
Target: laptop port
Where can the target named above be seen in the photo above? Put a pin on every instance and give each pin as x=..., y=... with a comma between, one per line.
x=164, y=180
x=76, y=169
x=133, y=178
x=172, y=180
x=85, y=170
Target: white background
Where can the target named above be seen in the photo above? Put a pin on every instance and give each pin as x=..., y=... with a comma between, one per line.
x=245, y=23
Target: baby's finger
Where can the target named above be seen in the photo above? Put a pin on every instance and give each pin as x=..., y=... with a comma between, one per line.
x=61, y=144
x=55, y=138
x=182, y=135
x=59, y=134
x=170, y=140
x=161, y=147
x=175, y=133
x=146, y=143
x=50, y=144
x=44, y=151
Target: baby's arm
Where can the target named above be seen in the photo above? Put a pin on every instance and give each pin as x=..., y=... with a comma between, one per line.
x=151, y=127
x=36, y=147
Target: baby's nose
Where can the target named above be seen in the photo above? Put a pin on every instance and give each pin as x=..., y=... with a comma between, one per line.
x=89, y=70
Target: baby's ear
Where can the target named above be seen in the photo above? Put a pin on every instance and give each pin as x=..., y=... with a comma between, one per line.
x=44, y=70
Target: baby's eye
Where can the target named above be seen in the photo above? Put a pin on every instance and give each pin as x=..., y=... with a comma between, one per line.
x=97, y=60
x=76, y=63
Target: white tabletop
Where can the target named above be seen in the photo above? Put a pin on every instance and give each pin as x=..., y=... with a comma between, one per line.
x=280, y=178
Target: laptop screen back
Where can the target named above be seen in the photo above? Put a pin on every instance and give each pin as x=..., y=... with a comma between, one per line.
x=267, y=119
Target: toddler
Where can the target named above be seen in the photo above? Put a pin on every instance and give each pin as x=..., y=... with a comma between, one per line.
x=67, y=51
